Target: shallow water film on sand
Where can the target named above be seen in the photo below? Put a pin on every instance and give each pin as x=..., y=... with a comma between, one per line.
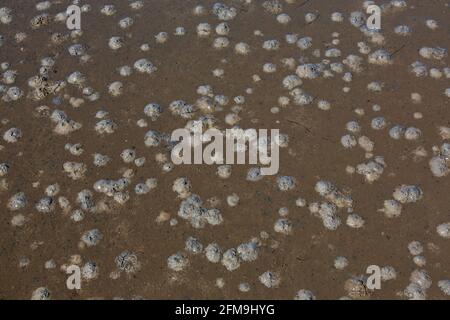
x=314, y=163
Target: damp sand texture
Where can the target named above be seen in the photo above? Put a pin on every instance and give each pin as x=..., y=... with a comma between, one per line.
x=87, y=178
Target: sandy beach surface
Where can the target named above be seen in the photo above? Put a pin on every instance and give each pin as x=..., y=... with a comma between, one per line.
x=364, y=121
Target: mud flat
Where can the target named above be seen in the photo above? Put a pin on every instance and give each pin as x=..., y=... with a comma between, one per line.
x=87, y=178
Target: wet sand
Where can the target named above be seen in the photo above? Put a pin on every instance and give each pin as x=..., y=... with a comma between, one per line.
x=303, y=259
